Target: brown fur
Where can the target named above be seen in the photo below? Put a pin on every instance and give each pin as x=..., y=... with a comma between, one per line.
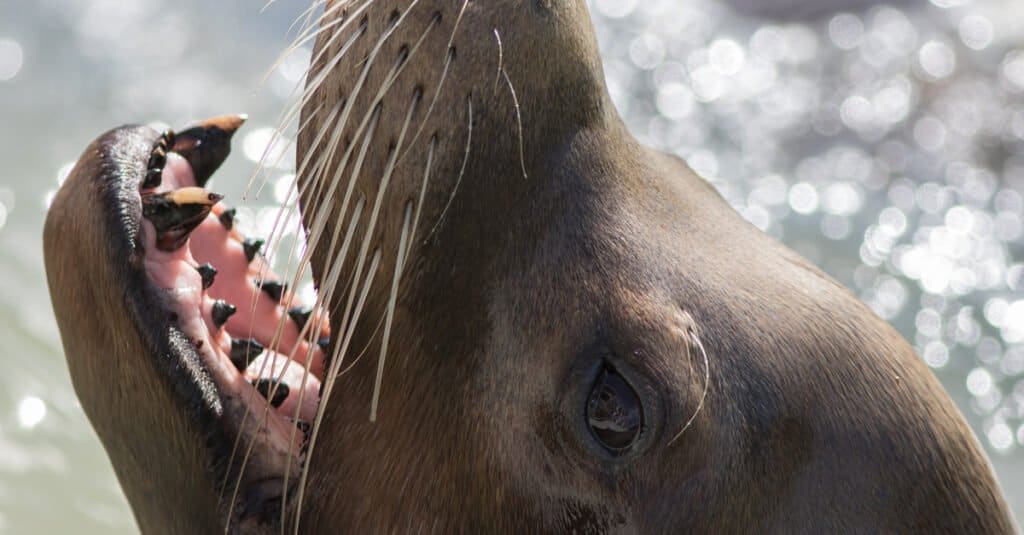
x=819, y=417
x=150, y=433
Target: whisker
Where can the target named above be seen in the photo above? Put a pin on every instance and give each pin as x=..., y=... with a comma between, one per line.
x=288, y=116
x=266, y=414
x=501, y=62
x=449, y=57
x=704, y=393
x=458, y=180
x=519, y=121
x=371, y=226
x=399, y=264
x=423, y=190
x=374, y=263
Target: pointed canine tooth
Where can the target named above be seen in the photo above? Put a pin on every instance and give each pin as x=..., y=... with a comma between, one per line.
x=251, y=247
x=177, y=213
x=274, y=289
x=221, y=311
x=208, y=273
x=206, y=145
x=300, y=315
x=157, y=161
x=243, y=352
x=153, y=178
x=157, y=158
x=303, y=426
x=227, y=218
x=166, y=139
x=266, y=386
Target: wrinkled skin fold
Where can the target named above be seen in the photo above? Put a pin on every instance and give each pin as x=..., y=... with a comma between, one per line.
x=491, y=245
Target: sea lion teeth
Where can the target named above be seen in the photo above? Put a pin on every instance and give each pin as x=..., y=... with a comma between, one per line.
x=157, y=160
x=244, y=351
x=221, y=311
x=207, y=272
x=175, y=214
x=251, y=247
x=153, y=178
x=300, y=315
x=267, y=386
x=166, y=139
x=206, y=145
x=274, y=289
x=227, y=218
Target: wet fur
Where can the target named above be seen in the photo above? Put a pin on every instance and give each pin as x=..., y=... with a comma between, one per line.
x=820, y=417
x=548, y=239
x=124, y=359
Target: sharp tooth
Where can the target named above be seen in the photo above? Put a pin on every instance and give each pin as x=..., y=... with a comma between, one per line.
x=251, y=247
x=153, y=178
x=300, y=315
x=303, y=426
x=157, y=158
x=177, y=213
x=243, y=352
x=157, y=161
x=274, y=289
x=266, y=386
x=166, y=139
x=208, y=273
x=206, y=145
x=227, y=218
x=221, y=311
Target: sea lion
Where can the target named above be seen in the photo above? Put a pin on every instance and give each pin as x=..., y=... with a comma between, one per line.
x=535, y=323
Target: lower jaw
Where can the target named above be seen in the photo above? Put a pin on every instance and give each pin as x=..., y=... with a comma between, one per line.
x=263, y=349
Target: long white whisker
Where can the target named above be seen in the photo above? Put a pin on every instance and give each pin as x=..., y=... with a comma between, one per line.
x=462, y=171
x=704, y=393
x=311, y=87
x=390, y=314
x=374, y=263
x=519, y=121
x=501, y=61
x=440, y=83
x=423, y=191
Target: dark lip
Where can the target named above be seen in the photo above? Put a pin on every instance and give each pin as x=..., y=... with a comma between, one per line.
x=125, y=153
x=129, y=149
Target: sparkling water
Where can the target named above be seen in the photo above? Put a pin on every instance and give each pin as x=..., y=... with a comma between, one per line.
x=885, y=144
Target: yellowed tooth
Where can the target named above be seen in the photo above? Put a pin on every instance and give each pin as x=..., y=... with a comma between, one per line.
x=206, y=145
x=174, y=214
x=193, y=195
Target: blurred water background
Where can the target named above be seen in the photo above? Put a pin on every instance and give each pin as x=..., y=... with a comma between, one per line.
x=883, y=142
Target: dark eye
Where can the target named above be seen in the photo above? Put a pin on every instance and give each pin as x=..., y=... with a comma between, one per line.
x=614, y=413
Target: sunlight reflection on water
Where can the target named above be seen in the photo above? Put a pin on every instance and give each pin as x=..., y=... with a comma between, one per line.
x=885, y=144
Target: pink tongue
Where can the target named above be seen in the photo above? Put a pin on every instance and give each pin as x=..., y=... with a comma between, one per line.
x=258, y=316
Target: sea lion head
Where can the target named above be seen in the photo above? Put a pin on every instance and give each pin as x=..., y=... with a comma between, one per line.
x=572, y=331
x=536, y=323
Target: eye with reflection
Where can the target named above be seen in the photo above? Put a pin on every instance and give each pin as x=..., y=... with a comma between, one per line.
x=614, y=413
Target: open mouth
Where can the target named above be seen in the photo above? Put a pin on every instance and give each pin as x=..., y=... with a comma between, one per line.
x=263, y=350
